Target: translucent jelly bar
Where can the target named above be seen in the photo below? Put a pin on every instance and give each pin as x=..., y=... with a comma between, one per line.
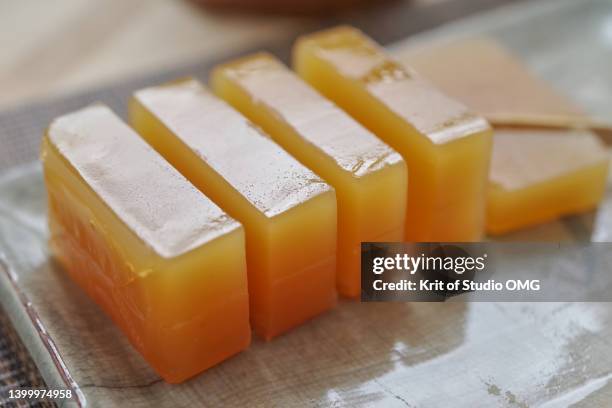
x=538, y=176
x=447, y=148
x=160, y=258
x=502, y=89
x=289, y=213
x=369, y=177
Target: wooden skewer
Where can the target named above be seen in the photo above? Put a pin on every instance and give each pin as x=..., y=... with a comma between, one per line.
x=601, y=128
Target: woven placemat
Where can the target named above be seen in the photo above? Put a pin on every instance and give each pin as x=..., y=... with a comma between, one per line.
x=17, y=370
x=21, y=129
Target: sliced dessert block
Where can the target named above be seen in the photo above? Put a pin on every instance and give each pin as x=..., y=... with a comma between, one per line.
x=369, y=177
x=502, y=89
x=537, y=175
x=160, y=258
x=447, y=147
x=289, y=213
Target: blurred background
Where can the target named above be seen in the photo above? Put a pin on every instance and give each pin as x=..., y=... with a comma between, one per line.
x=54, y=47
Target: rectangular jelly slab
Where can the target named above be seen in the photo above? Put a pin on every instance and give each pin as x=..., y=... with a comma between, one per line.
x=447, y=147
x=160, y=258
x=288, y=212
x=541, y=175
x=502, y=89
x=536, y=175
x=369, y=177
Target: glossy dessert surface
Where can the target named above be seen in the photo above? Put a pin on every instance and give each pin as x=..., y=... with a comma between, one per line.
x=446, y=146
x=316, y=119
x=288, y=212
x=369, y=177
x=126, y=174
x=537, y=174
x=540, y=175
x=176, y=286
x=525, y=157
x=396, y=86
x=501, y=87
x=265, y=175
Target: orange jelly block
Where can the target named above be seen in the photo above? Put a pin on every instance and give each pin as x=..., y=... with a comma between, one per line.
x=447, y=147
x=491, y=81
x=161, y=259
x=289, y=213
x=369, y=177
x=541, y=175
x=536, y=175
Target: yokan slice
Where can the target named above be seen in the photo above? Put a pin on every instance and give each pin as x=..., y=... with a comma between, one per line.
x=289, y=213
x=447, y=147
x=159, y=257
x=537, y=175
x=369, y=177
x=541, y=175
